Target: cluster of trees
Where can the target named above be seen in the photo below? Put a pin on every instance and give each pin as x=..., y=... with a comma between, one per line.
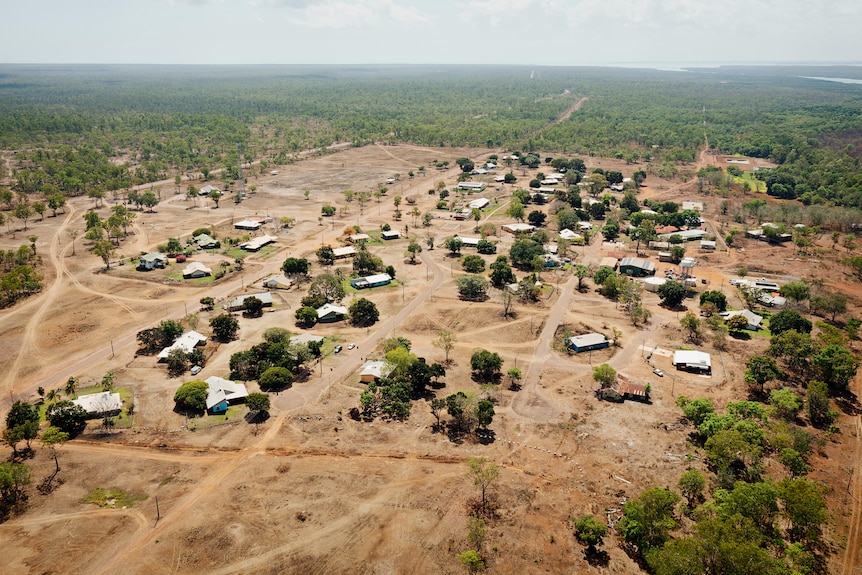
x=747, y=524
x=273, y=362
x=157, y=338
x=409, y=380
x=18, y=278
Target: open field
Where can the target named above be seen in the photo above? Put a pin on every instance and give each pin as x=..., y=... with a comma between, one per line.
x=314, y=491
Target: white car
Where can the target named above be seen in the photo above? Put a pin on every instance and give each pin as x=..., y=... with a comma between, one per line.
x=351, y=345
x=658, y=372
x=196, y=369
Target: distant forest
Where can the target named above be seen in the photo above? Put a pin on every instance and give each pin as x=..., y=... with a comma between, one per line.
x=75, y=128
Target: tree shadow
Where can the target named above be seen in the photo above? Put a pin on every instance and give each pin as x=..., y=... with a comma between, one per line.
x=740, y=335
x=486, y=436
x=596, y=557
x=848, y=403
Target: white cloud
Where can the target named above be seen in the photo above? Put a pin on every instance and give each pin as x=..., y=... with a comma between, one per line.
x=348, y=13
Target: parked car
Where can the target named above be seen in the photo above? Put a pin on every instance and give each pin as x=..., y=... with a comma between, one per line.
x=658, y=372
x=337, y=349
x=351, y=345
x=196, y=369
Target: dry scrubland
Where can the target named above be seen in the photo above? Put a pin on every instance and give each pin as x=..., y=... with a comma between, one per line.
x=314, y=491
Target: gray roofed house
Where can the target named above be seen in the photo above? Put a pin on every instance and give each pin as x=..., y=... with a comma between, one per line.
x=186, y=342
x=587, y=342
x=152, y=260
x=691, y=360
x=374, y=370
x=637, y=267
x=754, y=320
x=329, y=312
x=205, y=241
x=223, y=392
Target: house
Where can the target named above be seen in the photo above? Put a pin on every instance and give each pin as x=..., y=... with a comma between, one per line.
x=634, y=391
x=390, y=235
x=708, y=245
x=100, y=404
x=754, y=320
x=305, y=338
x=255, y=244
x=552, y=260
x=637, y=267
x=665, y=257
x=196, y=270
x=359, y=238
x=345, y=252
x=247, y=224
x=666, y=230
x=152, y=260
x=278, y=281
x=468, y=242
x=479, y=171
x=686, y=235
x=329, y=312
x=376, y=280
x=517, y=228
x=587, y=342
x=186, y=343
x=237, y=302
x=479, y=204
x=223, y=392
x=585, y=226
x=659, y=245
x=567, y=234
x=471, y=186
x=374, y=370
x=690, y=360
x=207, y=189
x=500, y=179
x=205, y=242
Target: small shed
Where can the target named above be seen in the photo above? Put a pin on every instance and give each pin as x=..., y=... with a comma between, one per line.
x=637, y=267
x=665, y=257
x=691, y=360
x=610, y=262
x=390, y=235
x=359, y=238
x=152, y=260
x=587, y=342
x=708, y=245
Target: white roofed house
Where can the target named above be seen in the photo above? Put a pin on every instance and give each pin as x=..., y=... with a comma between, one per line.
x=690, y=360
x=277, y=281
x=186, y=342
x=238, y=302
x=196, y=270
x=567, y=234
x=345, y=252
x=329, y=312
x=479, y=204
x=754, y=320
x=247, y=224
x=255, y=244
x=222, y=392
x=207, y=189
x=374, y=370
x=100, y=404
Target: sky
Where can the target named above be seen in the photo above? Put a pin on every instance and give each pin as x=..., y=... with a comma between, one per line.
x=526, y=32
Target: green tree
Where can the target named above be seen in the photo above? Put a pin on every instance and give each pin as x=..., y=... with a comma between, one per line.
x=363, y=313
x=589, y=531
x=413, y=249
x=604, y=375
x=297, y=266
x=785, y=403
x=804, y=506
x=830, y=304
x=484, y=413
x=835, y=366
x=192, y=395
x=648, y=519
x=472, y=560
x=445, y=341
x=672, y=293
x=818, y=404
x=514, y=377
x=473, y=264
x=691, y=483
x=472, y=288
x=524, y=251
x=695, y=410
x=486, y=364
x=715, y=297
x=794, y=347
x=67, y=416
x=691, y=324
x=22, y=424
x=788, y=319
x=760, y=370
x=177, y=362
x=483, y=473
x=275, y=379
x=501, y=273
x=796, y=291
x=516, y=210
x=105, y=250
x=225, y=327
x=453, y=244
x=325, y=255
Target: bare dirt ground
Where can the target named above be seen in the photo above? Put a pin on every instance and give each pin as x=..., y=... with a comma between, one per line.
x=314, y=491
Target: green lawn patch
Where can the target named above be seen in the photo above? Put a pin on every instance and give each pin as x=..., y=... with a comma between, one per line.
x=113, y=497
